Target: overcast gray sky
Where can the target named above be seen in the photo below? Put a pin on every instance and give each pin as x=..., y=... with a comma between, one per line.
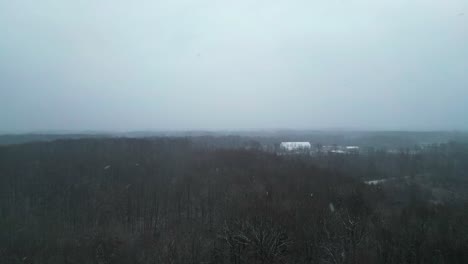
x=214, y=64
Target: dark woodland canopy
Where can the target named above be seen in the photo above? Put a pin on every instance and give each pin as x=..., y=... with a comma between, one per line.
x=166, y=200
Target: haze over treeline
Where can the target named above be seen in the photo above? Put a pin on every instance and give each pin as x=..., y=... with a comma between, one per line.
x=205, y=64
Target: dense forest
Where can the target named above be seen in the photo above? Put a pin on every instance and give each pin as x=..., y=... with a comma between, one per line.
x=183, y=200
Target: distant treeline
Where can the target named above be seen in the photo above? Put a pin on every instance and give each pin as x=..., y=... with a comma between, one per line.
x=10, y=139
x=168, y=200
x=380, y=139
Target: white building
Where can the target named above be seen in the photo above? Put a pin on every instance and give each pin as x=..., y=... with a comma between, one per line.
x=295, y=146
x=352, y=149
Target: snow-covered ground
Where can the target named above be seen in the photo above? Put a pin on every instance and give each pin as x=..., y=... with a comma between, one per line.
x=375, y=182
